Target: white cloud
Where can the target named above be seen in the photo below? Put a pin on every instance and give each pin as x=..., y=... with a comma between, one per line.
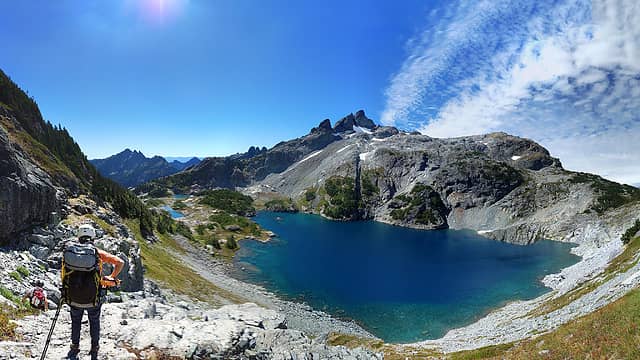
x=570, y=80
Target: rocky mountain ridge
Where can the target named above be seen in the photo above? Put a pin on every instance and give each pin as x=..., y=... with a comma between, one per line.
x=244, y=169
x=130, y=168
x=505, y=187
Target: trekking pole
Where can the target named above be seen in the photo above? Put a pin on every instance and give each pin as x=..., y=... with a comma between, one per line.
x=53, y=325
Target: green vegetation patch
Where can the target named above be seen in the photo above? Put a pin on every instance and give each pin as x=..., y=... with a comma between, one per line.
x=246, y=226
x=367, y=182
x=343, y=200
x=631, y=232
x=229, y=201
x=15, y=276
x=423, y=202
x=310, y=194
x=281, y=205
x=179, y=205
x=23, y=271
x=611, y=195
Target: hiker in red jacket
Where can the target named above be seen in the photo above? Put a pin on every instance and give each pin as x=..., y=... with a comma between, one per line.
x=37, y=296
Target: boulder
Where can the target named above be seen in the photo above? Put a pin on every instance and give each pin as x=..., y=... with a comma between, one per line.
x=44, y=240
x=40, y=252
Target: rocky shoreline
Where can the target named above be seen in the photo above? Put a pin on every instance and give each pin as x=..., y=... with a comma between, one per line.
x=299, y=316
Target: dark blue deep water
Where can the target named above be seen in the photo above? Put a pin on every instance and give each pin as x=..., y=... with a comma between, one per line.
x=403, y=285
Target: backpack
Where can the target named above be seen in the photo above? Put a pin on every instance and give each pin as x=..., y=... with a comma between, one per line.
x=81, y=274
x=37, y=298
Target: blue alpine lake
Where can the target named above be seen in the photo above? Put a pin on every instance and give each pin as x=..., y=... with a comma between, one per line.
x=403, y=285
x=174, y=213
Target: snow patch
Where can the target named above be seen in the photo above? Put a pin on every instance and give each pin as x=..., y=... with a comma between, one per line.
x=364, y=156
x=344, y=148
x=516, y=157
x=361, y=130
x=376, y=139
x=480, y=232
x=310, y=156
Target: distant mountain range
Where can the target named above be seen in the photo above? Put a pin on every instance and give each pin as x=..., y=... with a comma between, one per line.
x=131, y=167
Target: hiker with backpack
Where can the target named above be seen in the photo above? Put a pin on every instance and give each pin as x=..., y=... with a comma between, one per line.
x=37, y=296
x=82, y=284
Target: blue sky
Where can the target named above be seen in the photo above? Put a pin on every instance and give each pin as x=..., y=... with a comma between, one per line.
x=179, y=77
x=186, y=77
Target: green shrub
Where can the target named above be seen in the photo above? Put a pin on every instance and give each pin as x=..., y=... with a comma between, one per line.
x=231, y=242
x=310, y=194
x=213, y=241
x=23, y=271
x=9, y=295
x=200, y=229
x=631, y=232
x=16, y=276
x=399, y=214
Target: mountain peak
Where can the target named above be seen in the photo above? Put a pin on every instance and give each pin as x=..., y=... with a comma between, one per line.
x=359, y=119
x=325, y=125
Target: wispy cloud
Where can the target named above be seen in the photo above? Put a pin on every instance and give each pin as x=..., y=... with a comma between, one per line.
x=566, y=74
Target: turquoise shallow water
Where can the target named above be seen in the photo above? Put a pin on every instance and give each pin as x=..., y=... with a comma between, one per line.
x=174, y=213
x=403, y=285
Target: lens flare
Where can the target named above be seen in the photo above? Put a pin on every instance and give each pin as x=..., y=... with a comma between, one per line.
x=160, y=11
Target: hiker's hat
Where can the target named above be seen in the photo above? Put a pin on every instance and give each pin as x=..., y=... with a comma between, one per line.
x=86, y=230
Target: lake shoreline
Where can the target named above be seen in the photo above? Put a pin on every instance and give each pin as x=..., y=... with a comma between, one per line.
x=460, y=243
x=501, y=324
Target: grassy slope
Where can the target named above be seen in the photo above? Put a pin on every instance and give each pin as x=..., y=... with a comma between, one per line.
x=612, y=332
x=162, y=266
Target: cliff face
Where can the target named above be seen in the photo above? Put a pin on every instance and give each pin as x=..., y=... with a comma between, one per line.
x=27, y=195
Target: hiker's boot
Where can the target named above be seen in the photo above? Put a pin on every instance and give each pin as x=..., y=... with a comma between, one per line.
x=94, y=353
x=73, y=352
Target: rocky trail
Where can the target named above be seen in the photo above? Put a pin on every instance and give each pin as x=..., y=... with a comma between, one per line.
x=147, y=326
